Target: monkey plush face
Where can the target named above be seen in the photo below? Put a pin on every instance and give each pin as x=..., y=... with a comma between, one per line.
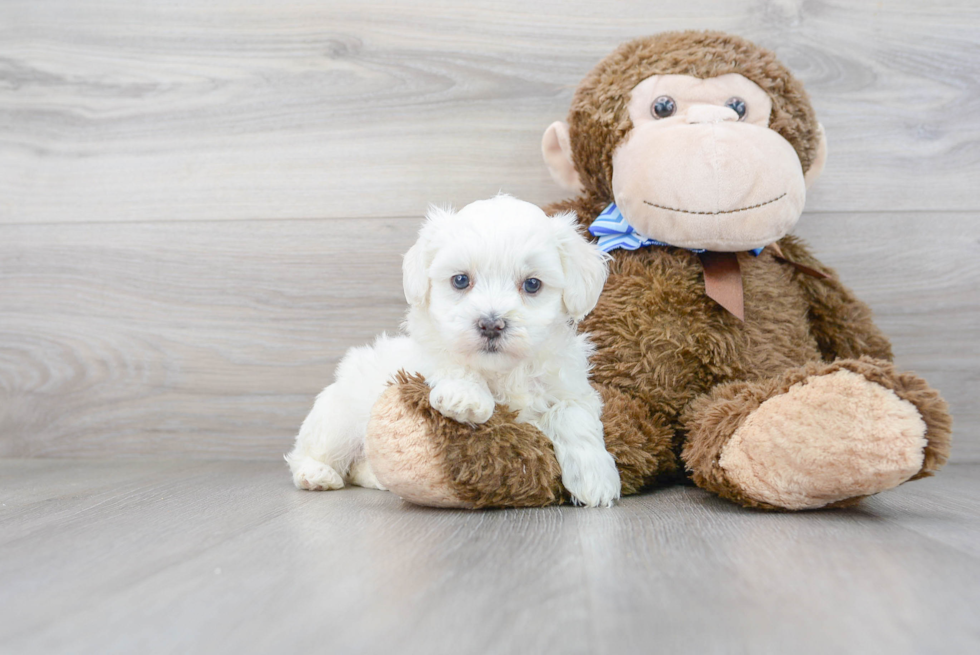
x=698, y=159
x=702, y=169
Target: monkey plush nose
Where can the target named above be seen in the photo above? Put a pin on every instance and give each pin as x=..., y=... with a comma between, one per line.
x=710, y=114
x=491, y=327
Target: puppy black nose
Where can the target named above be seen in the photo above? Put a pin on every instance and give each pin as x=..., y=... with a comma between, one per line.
x=491, y=327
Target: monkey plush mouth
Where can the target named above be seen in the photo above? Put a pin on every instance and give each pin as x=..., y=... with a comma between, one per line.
x=728, y=211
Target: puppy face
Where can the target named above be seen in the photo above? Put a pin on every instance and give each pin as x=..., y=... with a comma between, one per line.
x=498, y=277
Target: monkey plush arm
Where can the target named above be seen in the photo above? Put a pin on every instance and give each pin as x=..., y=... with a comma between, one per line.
x=428, y=459
x=841, y=324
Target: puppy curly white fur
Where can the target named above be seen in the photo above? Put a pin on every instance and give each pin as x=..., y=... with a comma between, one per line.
x=495, y=293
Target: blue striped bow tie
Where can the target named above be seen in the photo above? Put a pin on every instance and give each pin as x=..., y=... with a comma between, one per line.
x=615, y=232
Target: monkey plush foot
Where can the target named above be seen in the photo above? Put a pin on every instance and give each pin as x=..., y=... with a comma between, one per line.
x=823, y=435
x=429, y=459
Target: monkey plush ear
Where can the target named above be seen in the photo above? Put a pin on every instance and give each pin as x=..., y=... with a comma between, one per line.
x=415, y=265
x=584, y=266
x=816, y=166
x=557, y=150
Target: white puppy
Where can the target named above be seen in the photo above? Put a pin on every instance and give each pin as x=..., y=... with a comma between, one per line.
x=496, y=291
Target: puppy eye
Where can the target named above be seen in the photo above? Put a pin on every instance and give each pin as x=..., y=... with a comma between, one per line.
x=531, y=285
x=663, y=107
x=461, y=282
x=738, y=106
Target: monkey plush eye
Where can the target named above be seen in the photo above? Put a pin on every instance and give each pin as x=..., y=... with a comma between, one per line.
x=531, y=285
x=738, y=106
x=663, y=107
x=461, y=282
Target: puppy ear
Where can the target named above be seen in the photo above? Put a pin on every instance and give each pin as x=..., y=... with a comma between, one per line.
x=584, y=267
x=415, y=264
x=415, y=278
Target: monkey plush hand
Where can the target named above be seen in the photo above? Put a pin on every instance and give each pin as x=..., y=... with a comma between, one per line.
x=725, y=352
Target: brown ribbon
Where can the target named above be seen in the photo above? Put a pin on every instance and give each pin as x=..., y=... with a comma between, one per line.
x=777, y=252
x=723, y=281
x=723, y=277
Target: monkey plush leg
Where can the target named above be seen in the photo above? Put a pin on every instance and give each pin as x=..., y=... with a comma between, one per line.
x=428, y=459
x=821, y=435
x=641, y=443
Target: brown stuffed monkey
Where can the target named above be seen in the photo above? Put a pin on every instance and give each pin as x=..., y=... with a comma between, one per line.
x=726, y=353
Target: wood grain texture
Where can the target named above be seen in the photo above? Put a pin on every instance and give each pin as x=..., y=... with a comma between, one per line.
x=143, y=311
x=122, y=110
x=211, y=339
x=205, y=338
x=205, y=557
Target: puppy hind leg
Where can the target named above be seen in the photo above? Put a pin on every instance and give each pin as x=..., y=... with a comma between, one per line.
x=327, y=443
x=313, y=475
x=363, y=475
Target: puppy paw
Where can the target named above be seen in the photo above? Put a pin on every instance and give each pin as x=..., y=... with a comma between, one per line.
x=363, y=475
x=592, y=479
x=461, y=400
x=312, y=475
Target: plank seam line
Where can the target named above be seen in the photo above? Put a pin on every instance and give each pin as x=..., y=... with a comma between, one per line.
x=419, y=217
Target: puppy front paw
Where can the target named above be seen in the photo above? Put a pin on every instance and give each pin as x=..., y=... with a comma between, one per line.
x=591, y=478
x=462, y=400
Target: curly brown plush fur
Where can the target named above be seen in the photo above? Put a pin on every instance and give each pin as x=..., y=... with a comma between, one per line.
x=498, y=463
x=663, y=347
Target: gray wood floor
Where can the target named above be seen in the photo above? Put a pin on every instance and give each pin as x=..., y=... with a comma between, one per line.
x=141, y=556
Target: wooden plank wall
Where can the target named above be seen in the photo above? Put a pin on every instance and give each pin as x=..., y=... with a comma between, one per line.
x=203, y=204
